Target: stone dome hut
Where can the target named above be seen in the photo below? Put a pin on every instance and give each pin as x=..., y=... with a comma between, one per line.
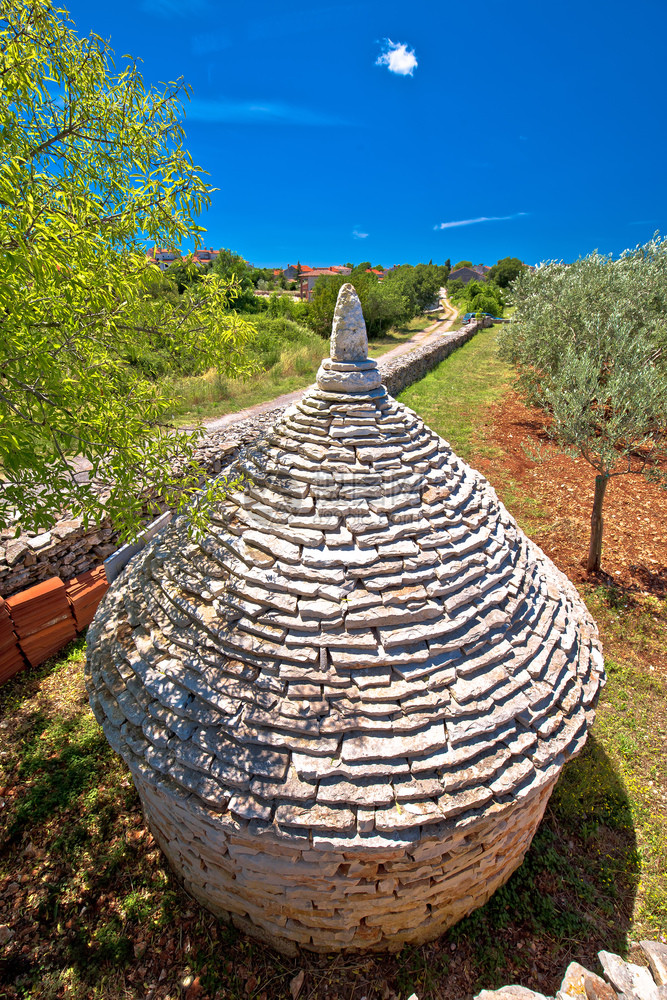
x=346, y=707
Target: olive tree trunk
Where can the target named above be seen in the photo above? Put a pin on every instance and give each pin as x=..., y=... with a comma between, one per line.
x=595, y=547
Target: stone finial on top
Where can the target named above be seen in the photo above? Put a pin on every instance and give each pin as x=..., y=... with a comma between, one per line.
x=349, y=369
x=349, y=341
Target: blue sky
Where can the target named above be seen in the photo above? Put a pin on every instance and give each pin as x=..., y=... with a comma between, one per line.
x=402, y=132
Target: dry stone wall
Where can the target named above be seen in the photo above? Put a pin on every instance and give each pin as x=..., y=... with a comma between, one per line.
x=65, y=551
x=69, y=548
x=402, y=371
x=291, y=893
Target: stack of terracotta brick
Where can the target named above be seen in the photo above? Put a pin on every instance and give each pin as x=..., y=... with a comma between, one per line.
x=84, y=593
x=11, y=657
x=38, y=622
x=42, y=619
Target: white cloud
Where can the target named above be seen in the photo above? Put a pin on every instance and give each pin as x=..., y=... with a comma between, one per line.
x=359, y=236
x=225, y=110
x=482, y=218
x=397, y=57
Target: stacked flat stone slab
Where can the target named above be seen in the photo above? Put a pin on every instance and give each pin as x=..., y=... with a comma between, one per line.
x=346, y=707
x=624, y=980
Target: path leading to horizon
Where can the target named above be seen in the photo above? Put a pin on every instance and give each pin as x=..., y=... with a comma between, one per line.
x=420, y=339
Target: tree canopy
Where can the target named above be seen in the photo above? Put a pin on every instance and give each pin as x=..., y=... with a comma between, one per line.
x=231, y=267
x=589, y=341
x=93, y=167
x=403, y=293
x=476, y=296
x=420, y=284
x=382, y=305
x=506, y=270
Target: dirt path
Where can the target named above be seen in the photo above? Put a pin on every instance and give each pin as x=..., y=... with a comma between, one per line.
x=427, y=336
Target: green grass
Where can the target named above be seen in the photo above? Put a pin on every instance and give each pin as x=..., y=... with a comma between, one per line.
x=377, y=346
x=208, y=396
x=454, y=398
x=287, y=355
x=631, y=724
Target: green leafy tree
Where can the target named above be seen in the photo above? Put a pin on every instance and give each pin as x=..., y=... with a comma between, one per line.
x=362, y=268
x=506, y=270
x=323, y=303
x=476, y=296
x=93, y=166
x=159, y=286
x=589, y=341
x=233, y=269
x=420, y=284
x=382, y=304
x=462, y=263
x=383, y=307
x=184, y=273
x=486, y=302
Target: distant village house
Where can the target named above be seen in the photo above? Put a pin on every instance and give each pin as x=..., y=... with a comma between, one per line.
x=304, y=275
x=163, y=258
x=479, y=272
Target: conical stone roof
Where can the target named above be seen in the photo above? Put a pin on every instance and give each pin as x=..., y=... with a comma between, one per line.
x=345, y=708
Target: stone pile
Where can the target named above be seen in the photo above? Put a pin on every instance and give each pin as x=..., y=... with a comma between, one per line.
x=65, y=551
x=69, y=549
x=345, y=708
x=623, y=980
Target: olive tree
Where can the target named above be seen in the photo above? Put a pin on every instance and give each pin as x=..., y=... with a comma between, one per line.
x=589, y=341
x=93, y=167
